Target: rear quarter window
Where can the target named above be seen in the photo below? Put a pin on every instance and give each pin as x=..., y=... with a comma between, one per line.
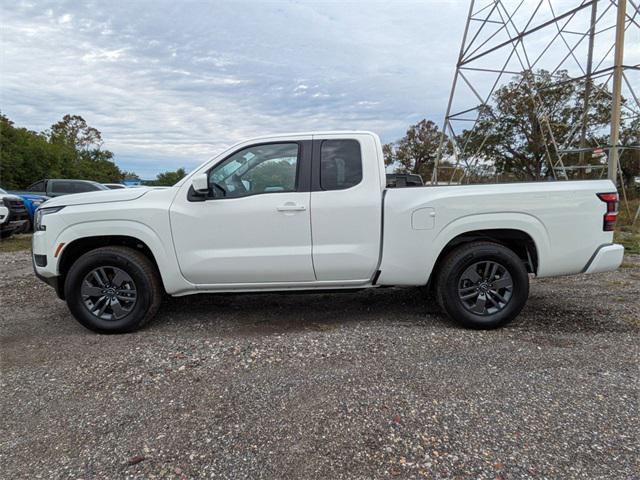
x=340, y=164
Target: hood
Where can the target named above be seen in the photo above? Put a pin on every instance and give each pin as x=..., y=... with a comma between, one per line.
x=100, y=196
x=33, y=196
x=10, y=196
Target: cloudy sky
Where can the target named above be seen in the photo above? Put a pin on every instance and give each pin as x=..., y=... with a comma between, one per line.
x=171, y=83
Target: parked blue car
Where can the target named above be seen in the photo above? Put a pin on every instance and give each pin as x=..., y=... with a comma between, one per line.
x=31, y=203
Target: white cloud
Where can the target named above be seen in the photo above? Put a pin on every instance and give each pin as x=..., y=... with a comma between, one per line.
x=171, y=83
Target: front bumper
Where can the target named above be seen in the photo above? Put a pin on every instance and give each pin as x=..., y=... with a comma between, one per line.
x=606, y=259
x=51, y=281
x=47, y=269
x=12, y=225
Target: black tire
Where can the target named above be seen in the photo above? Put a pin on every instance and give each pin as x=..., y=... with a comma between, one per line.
x=24, y=228
x=143, y=276
x=453, y=283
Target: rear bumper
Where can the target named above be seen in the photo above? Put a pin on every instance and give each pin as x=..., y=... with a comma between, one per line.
x=606, y=259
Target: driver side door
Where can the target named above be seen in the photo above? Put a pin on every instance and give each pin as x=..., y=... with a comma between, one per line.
x=253, y=227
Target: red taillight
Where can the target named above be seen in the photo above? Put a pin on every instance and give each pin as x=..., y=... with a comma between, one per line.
x=609, y=219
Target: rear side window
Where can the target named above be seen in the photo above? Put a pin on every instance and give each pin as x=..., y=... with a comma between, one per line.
x=62, y=187
x=72, y=187
x=340, y=164
x=80, y=187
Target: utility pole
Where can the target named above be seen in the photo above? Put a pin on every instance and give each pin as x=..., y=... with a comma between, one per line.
x=617, y=87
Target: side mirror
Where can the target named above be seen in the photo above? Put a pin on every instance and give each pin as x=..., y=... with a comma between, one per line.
x=200, y=183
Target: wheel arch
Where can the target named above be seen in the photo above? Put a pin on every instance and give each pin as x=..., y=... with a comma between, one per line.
x=518, y=241
x=158, y=246
x=78, y=247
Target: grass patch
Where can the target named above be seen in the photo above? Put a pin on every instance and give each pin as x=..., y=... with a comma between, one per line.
x=635, y=321
x=627, y=234
x=15, y=243
x=630, y=240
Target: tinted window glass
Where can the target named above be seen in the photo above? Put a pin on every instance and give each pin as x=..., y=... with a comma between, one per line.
x=80, y=187
x=36, y=187
x=73, y=187
x=340, y=164
x=258, y=169
x=62, y=187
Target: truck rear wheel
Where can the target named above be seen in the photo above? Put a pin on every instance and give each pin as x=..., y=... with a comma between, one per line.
x=482, y=285
x=113, y=290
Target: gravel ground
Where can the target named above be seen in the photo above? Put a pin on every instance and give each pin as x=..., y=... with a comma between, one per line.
x=376, y=384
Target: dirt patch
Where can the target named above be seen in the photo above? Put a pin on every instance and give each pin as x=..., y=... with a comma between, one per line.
x=374, y=384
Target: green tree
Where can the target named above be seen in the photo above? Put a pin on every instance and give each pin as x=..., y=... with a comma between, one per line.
x=168, y=179
x=630, y=158
x=416, y=152
x=280, y=173
x=130, y=176
x=74, y=132
x=69, y=149
x=516, y=130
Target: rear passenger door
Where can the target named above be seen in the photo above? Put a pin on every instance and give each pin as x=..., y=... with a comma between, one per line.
x=346, y=211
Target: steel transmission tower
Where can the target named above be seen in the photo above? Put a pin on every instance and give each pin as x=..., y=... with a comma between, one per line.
x=513, y=40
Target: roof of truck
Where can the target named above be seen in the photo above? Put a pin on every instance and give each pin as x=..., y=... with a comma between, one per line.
x=316, y=133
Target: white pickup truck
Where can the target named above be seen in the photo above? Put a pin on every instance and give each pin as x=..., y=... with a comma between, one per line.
x=312, y=212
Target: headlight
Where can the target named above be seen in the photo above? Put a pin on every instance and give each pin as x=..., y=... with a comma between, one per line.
x=40, y=213
x=37, y=203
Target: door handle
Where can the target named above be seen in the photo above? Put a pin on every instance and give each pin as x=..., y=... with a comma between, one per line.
x=291, y=207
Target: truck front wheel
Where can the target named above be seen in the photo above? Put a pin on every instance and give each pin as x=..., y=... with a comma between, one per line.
x=482, y=285
x=113, y=290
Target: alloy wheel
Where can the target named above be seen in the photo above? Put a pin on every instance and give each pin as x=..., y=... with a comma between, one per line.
x=109, y=293
x=485, y=288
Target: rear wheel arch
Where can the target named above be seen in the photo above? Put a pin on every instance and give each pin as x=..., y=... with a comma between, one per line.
x=518, y=241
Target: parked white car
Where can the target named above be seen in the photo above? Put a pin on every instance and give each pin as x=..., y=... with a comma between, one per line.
x=13, y=214
x=312, y=212
x=4, y=214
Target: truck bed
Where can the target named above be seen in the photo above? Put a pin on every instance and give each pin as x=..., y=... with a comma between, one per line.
x=564, y=220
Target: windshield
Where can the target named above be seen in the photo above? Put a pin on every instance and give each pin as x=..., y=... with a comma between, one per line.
x=3, y=191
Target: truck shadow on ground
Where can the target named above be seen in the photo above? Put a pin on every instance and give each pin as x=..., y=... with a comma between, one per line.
x=234, y=314
x=284, y=312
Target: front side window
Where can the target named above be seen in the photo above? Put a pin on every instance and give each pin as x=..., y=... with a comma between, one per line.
x=36, y=187
x=257, y=169
x=340, y=164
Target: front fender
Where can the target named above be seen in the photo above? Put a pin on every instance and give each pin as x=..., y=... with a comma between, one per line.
x=162, y=252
